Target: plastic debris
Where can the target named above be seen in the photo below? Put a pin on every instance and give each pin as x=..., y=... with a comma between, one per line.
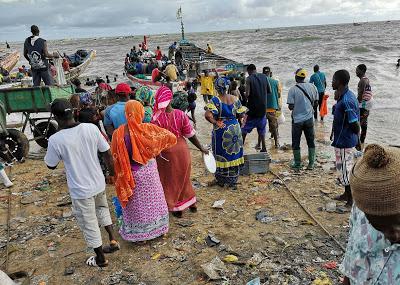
x=218, y=204
x=156, y=256
x=330, y=265
x=256, y=281
x=264, y=217
x=214, y=269
x=212, y=240
x=322, y=279
x=230, y=258
x=330, y=207
x=255, y=260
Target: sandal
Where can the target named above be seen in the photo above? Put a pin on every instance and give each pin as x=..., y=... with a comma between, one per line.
x=91, y=261
x=112, y=247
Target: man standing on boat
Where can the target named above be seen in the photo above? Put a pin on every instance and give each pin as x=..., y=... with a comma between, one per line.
x=207, y=86
x=35, y=51
x=159, y=57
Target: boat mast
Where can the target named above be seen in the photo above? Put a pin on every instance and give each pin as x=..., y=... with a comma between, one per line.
x=179, y=16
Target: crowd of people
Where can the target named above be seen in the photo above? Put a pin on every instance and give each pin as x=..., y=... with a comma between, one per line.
x=143, y=151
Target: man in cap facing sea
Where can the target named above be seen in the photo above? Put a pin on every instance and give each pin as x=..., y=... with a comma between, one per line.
x=301, y=100
x=373, y=251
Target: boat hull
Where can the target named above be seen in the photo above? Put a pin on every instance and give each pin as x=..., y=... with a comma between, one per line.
x=9, y=60
x=80, y=69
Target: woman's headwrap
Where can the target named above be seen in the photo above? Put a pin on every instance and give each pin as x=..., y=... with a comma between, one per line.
x=163, y=98
x=145, y=96
x=147, y=142
x=221, y=84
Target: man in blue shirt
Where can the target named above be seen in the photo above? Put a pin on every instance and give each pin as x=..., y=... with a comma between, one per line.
x=115, y=114
x=319, y=80
x=301, y=100
x=345, y=129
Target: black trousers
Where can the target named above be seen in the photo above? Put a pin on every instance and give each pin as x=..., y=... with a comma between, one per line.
x=297, y=130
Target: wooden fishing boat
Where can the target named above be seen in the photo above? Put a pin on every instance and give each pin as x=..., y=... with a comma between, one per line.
x=8, y=59
x=78, y=70
x=145, y=80
x=198, y=59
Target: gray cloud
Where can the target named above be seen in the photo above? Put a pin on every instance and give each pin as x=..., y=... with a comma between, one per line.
x=75, y=18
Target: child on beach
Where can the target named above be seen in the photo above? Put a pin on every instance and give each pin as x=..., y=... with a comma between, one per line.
x=373, y=250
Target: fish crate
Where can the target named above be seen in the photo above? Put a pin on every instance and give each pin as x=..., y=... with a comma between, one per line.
x=257, y=163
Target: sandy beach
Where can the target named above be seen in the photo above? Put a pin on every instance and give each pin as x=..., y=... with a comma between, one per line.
x=288, y=247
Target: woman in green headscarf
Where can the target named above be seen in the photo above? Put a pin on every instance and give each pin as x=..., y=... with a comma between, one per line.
x=146, y=97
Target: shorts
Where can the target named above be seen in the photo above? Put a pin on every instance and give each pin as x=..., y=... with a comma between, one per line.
x=259, y=123
x=192, y=106
x=91, y=213
x=344, y=164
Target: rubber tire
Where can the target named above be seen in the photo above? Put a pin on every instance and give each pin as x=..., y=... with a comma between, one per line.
x=40, y=128
x=18, y=144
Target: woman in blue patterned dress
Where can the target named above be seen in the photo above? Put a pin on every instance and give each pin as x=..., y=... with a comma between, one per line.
x=223, y=112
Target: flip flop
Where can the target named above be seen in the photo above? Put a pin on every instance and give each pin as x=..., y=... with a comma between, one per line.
x=112, y=247
x=91, y=261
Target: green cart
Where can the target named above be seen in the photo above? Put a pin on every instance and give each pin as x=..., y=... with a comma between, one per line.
x=28, y=101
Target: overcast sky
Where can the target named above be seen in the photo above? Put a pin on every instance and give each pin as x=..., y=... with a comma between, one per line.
x=91, y=18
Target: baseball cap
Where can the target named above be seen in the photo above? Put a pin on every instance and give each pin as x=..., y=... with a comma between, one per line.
x=61, y=108
x=123, y=88
x=301, y=73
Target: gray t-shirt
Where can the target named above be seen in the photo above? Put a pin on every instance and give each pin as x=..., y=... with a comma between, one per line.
x=303, y=109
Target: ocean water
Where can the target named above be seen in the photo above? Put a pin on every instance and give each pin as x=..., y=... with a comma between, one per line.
x=332, y=47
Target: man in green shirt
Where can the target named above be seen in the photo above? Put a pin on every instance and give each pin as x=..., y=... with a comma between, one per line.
x=319, y=80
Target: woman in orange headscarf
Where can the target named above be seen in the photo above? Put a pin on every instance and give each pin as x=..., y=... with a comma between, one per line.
x=138, y=185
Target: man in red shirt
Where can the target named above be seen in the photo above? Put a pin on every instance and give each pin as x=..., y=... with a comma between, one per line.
x=159, y=57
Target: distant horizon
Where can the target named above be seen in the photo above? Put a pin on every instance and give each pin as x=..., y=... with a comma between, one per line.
x=198, y=32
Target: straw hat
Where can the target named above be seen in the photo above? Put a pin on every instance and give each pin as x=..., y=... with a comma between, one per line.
x=375, y=181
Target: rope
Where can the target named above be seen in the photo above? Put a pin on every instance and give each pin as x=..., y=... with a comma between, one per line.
x=308, y=212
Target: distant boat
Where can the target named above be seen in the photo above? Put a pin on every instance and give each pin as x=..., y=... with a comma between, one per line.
x=8, y=59
x=257, y=30
x=356, y=24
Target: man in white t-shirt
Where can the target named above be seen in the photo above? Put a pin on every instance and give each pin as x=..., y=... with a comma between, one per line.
x=78, y=145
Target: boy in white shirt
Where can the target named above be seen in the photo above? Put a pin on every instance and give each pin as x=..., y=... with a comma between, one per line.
x=77, y=145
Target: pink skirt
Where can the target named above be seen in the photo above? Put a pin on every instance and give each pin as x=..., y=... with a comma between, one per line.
x=146, y=215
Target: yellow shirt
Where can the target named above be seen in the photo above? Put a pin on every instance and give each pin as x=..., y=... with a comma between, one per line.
x=209, y=49
x=172, y=72
x=207, y=85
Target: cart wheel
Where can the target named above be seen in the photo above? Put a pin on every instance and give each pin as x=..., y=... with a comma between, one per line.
x=40, y=130
x=18, y=145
